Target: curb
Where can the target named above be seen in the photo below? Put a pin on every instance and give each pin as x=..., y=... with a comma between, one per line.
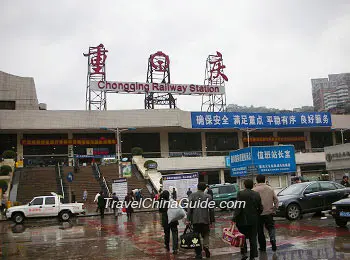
x=97, y=214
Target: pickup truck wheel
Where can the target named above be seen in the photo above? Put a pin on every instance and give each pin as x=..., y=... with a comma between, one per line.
x=18, y=218
x=293, y=211
x=341, y=222
x=64, y=215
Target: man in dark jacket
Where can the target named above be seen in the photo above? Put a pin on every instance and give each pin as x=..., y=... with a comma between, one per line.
x=163, y=208
x=247, y=217
x=199, y=217
x=101, y=203
x=345, y=181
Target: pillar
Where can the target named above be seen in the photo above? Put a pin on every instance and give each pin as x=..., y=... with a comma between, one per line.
x=308, y=141
x=222, y=176
x=19, y=149
x=240, y=140
x=334, y=138
x=70, y=151
x=204, y=144
x=164, y=144
x=275, y=134
x=298, y=173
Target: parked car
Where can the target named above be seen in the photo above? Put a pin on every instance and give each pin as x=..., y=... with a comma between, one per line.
x=341, y=212
x=224, y=192
x=45, y=206
x=308, y=197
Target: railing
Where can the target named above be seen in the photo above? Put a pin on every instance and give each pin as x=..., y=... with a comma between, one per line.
x=106, y=186
x=101, y=178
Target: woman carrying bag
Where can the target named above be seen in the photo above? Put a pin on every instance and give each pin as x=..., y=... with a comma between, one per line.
x=172, y=226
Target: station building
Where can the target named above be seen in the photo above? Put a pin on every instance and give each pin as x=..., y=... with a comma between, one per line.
x=44, y=137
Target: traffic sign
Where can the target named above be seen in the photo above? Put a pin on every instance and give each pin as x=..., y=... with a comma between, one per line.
x=70, y=177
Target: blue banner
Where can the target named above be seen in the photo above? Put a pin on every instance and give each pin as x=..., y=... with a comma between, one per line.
x=259, y=120
x=267, y=160
x=227, y=161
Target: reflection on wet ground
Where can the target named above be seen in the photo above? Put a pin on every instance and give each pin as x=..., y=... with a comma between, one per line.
x=142, y=238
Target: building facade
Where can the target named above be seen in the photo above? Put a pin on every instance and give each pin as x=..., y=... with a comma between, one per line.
x=332, y=92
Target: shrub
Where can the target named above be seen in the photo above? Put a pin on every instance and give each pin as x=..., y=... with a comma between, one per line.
x=5, y=170
x=148, y=162
x=3, y=185
x=9, y=154
x=17, y=203
x=137, y=151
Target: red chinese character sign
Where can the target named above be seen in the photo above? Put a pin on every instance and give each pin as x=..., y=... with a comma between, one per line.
x=159, y=61
x=217, y=66
x=159, y=72
x=214, y=76
x=97, y=56
x=96, y=100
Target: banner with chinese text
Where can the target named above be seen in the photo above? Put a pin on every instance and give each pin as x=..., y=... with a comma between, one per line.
x=67, y=142
x=267, y=160
x=259, y=120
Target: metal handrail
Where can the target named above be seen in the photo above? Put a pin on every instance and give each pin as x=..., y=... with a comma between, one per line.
x=60, y=176
x=105, y=183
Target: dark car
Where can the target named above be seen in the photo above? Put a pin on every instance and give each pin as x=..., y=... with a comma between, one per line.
x=309, y=197
x=341, y=212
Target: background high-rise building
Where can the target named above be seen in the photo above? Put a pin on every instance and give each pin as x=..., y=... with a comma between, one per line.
x=332, y=92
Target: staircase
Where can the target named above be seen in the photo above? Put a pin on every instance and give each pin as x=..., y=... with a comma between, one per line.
x=38, y=181
x=136, y=181
x=83, y=179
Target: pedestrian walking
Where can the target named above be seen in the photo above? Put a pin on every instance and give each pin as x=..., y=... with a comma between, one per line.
x=269, y=201
x=115, y=201
x=101, y=203
x=189, y=192
x=167, y=227
x=85, y=194
x=128, y=201
x=96, y=200
x=345, y=181
x=198, y=215
x=210, y=192
x=247, y=217
x=174, y=194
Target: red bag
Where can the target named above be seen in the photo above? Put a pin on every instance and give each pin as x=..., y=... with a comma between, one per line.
x=232, y=236
x=124, y=210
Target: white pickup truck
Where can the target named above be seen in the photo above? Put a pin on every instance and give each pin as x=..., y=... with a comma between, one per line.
x=45, y=206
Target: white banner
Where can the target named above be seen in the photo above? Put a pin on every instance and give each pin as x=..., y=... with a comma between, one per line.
x=120, y=187
x=181, y=183
x=141, y=88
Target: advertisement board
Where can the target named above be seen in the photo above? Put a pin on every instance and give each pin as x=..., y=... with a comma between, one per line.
x=181, y=183
x=263, y=160
x=259, y=120
x=126, y=169
x=141, y=88
x=120, y=187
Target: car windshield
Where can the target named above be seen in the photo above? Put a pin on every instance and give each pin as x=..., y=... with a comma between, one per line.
x=215, y=191
x=293, y=189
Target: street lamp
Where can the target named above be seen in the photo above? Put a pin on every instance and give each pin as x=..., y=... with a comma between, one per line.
x=248, y=131
x=342, y=130
x=118, y=150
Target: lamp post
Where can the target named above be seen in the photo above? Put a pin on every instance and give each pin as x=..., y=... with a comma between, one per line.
x=342, y=130
x=248, y=131
x=118, y=150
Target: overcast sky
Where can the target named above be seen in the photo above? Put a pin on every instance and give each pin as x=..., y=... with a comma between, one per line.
x=271, y=49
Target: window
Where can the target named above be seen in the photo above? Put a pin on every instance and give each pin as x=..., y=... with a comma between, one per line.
x=7, y=105
x=339, y=186
x=50, y=201
x=215, y=191
x=37, y=201
x=312, y=188
x=327, y=186
x=227, y=189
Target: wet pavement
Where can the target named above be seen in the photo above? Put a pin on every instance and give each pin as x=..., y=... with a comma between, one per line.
x=142, y=238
